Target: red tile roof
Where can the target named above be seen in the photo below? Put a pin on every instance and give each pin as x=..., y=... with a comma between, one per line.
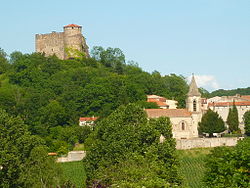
x=88, y=118
x=155, y=113
x=247, y=97
x=159, y=103
x=72, y=25
x=243, y=103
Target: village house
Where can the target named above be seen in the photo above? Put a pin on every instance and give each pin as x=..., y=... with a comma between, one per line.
x=87, y=121
x=162, y=102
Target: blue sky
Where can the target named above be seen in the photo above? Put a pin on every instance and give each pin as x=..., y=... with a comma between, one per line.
x=210, y=38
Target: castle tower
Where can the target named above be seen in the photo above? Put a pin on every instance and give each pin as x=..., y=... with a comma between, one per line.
x=74, y=41
x=193, y=102
x=67, y=44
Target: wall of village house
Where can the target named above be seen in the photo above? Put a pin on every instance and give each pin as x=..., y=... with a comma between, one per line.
x=206, y=142
x=224, y=110
x=190, y=130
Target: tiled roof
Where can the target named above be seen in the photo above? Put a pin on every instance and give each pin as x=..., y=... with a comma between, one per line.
x=243, y=103
x=247, y=97
x=155, y=113
x=88, y=118
x=72, y=25
x=159, y=103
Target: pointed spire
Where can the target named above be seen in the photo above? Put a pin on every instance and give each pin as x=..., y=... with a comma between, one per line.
x=193, y=89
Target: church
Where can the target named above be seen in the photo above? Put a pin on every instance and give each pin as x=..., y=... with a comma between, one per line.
x=184, y=121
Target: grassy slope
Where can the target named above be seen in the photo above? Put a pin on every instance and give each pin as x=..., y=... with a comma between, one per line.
x=74, y=172
x=192, y=166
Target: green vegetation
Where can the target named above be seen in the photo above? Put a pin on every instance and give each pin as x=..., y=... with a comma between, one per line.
x=246, y=118
x=222, y=92
x=211, y=123
x=229, y=166
x=74, y=173
x=233, y=119
x=50, y=94
x=125, y=150
x=24, y=159
x=192, y=166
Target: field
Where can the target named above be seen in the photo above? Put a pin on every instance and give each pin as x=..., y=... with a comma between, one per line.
x=74, y=172
x=192, y=166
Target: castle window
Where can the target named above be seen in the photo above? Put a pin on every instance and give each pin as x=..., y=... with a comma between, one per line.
x=194, y=106
x=183, y=126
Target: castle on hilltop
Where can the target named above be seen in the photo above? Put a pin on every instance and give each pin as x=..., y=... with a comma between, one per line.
x=64, y=45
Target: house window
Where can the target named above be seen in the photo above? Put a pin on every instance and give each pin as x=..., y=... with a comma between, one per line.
x=194, y=106
x=183, y=126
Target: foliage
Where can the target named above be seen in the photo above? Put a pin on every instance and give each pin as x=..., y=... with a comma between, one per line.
x=222, y=92
x=47, y=92
x=23, y=157
x=233, y=119
x=229, y=167
x=246, y=118
x=124, y=138
x=211, y=123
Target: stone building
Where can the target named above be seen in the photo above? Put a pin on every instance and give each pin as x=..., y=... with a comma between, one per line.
x=222, y=104
x=162, y=102
x=64, y=45
x=184, y=121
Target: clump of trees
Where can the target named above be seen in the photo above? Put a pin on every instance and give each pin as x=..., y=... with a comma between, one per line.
x=211, y=123
x=125, y=150
x=50, y=94
x=233, y=119
x=229, y=166
x=24, y=160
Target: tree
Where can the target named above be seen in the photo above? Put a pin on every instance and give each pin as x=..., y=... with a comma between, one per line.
x=124, y=138
x=229, y=166
x=4, y=65
x=246, y=118
x=233, y=119
x=23, y=158
x=211, y=123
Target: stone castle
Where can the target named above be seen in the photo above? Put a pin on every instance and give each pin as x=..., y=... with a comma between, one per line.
x=64, y=45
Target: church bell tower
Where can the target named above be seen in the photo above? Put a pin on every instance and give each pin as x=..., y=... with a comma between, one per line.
x=193, y=101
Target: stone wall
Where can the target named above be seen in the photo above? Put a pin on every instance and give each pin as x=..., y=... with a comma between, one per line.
x=72, y=156
x=51, y=44
x=206, y=142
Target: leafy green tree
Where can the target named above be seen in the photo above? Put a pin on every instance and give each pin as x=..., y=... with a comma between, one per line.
x=4, y=65
x=246, y=118
x=229, y=167
x=211, y=123
x=233, y=119
x=126, y=137
x=23, y=157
